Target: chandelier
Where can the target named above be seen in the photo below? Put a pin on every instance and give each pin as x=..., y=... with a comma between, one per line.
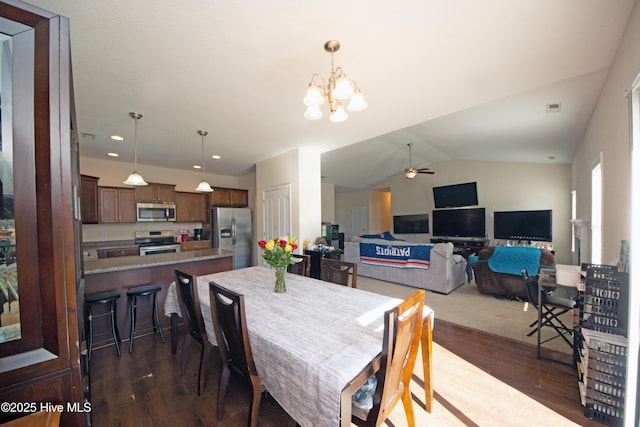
x=135, y=178
x=204, y=186
x=338, y=89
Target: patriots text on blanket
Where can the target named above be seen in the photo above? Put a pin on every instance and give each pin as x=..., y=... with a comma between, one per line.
x=400, y=256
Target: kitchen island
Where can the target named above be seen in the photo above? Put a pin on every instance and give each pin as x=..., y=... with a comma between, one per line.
x=122, y=273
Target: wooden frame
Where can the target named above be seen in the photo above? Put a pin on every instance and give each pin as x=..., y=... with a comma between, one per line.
x=44, y=365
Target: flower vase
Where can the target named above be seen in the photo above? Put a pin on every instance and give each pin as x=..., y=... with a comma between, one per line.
x=280, y=285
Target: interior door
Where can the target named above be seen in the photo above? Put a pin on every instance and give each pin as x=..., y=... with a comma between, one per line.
x=276, y=211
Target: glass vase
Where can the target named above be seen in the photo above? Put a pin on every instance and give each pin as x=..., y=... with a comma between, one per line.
x=280, y=285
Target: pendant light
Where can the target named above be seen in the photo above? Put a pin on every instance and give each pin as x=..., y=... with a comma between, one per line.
x=135, y=178
x=204, y=186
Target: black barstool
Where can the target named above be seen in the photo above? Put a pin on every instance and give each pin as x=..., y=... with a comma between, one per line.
x=132, y=296
x=103, y=298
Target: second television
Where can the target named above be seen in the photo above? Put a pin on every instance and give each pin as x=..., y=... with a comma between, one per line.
x=523, y=225
x=459, y=223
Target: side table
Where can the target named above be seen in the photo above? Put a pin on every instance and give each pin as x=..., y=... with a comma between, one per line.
x=316, y=256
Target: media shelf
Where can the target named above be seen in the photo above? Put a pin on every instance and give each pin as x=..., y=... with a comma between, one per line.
x=605, y=301
x=602, y=344
x=604, y=364
x=464, y=246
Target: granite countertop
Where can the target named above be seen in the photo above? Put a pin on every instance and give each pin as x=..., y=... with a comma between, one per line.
x=133, y=262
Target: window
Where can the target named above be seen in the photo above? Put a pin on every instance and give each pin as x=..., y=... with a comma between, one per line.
x=596, y=212
x=632, y=407
x=574, y=210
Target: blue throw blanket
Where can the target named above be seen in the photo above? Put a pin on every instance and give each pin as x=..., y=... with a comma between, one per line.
x=385, y=236
x=512, y=259
x=396, y=255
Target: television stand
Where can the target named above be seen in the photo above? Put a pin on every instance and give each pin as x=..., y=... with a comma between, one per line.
x=464, y=246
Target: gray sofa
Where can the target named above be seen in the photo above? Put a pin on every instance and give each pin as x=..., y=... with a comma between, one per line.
x=445, y=273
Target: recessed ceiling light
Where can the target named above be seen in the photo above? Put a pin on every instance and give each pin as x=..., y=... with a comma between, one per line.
x=553, y=108
x=197, y=167
x=88, y=135
x=112, y=154
x=117, y=138
x=215, y=156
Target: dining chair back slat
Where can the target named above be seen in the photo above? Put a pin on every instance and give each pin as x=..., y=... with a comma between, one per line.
x=402, y=331
x=339, y=272
x=230, y=326
x=190, y=308
x=302, y=265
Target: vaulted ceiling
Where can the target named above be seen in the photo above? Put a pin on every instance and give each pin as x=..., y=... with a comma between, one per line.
x=460, y=79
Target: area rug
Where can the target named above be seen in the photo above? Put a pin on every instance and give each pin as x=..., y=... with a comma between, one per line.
x=466, y=306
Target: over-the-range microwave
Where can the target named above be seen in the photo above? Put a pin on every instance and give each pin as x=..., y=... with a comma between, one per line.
x=149, y=212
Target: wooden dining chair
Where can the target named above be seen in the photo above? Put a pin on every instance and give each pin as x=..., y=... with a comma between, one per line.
x=190, y=308
x=230, y=325
x=401, y=339
x=302, y=265
x=336, y=271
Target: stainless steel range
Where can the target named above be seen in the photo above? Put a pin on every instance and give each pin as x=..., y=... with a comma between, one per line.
x=156, y=242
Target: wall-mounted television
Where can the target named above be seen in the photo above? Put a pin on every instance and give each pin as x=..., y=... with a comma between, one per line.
x=454, y=196
x=410, y=224
x=523, y=225
x=459, y=223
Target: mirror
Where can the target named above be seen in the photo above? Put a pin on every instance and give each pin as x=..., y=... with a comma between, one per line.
x=9, y=296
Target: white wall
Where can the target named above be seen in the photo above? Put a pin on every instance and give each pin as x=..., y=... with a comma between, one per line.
x=608, y=133
x=310, y=207
x=501, y=186
x=301, y=169
x=344, y=202
x=113, y=172
x=328, y=203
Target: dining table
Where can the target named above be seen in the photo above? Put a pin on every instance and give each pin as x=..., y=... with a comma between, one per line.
x=314, y=344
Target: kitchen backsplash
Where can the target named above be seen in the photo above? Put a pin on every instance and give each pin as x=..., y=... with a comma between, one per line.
x=108, y=232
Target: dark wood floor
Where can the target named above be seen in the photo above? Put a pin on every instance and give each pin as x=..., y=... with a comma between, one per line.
x=145, y=388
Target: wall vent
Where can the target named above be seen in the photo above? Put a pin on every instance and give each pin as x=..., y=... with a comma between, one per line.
x=553, y=108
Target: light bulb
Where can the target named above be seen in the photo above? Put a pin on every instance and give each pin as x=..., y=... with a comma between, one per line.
x=343, y=89
x=357, y=102
x=135, y=179
x=340, y=115
x=314, y=96
x=313, y=113
x=410, y=173
x=204, y=187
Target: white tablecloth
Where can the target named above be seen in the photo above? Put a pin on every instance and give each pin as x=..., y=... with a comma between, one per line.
x=308, y=342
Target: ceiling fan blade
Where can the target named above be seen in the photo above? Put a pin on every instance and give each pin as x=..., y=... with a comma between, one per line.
x=430, y=172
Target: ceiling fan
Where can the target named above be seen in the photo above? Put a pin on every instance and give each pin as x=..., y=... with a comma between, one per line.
x=411, y=172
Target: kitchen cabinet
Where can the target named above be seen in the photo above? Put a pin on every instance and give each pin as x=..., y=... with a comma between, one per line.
x=191, y=207
x=89, y=199
x=230, y=197
x=117, y=205
x=116, y=252
x=156, y=193
x=195, y=244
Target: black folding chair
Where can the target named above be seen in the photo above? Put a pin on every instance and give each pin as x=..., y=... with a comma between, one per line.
x=550, y=307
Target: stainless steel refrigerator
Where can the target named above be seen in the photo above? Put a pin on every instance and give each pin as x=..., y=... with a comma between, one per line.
x=231, y=230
